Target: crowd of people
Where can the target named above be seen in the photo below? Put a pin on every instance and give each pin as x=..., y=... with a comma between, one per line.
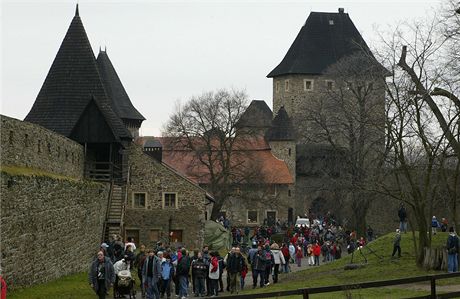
x=165, y=271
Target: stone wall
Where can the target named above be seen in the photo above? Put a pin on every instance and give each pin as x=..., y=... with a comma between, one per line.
x=154, y=221
x=28, y=145
x=263, y=199
x=49, y=227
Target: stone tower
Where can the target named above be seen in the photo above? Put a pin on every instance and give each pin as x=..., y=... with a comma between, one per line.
x=324, y=39
x=282, y=141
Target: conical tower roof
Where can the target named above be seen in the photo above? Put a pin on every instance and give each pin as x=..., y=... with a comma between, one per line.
x=257, y=115
x=72, y=82
x=121, y=104
x=323, y=40
x=282, y=128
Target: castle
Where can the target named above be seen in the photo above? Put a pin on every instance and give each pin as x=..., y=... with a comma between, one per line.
x=81, y=137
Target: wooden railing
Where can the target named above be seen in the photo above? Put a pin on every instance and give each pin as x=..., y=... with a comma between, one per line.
x=107, y=211
x=103, y=171
x=306, y=292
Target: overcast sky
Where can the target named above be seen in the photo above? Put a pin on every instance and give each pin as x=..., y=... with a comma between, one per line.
x=167, y=51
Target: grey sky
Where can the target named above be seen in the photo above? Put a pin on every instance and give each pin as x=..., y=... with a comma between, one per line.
x=165, y=51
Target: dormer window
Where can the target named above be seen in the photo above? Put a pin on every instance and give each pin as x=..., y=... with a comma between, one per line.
x=307, y=85
x=286, y=85
x=329, y=84
x=331, y=22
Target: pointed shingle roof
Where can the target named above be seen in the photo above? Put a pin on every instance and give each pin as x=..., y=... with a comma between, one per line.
x=282, y=128
x=257, y=115
x=121, y=104
x=72, y=82
x=323, y=40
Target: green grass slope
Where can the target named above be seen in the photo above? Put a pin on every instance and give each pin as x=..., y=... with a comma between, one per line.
x=376, y=269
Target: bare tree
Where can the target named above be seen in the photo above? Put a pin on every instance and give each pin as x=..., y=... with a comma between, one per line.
x=422, y=122
x=206, y=127
x=348, y=115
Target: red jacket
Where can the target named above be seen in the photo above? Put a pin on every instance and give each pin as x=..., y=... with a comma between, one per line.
x=3, y=284
x=214, y=264
x=316, y=250
x=285, y=251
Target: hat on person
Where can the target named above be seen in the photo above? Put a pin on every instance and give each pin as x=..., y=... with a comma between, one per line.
x=104, y=245
x=397, y=230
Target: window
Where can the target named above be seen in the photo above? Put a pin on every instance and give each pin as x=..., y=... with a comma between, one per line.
x=286, y=85
x=272, y=189
x=11, y=137
x=289, y=193
x=331, y=22
x=26, y=140
x=238, y=191
x=307, y=85
x=253, y=217
x=39, y=146
x=139, y=200
x=289, y=151
x=277, y=87
x=170, y=200
x=154, y=235
x=329, y=84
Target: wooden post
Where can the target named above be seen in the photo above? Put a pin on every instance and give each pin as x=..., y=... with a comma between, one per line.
x=433, y=287
x=305, y=294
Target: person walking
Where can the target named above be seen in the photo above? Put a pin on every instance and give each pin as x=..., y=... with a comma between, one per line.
x=285, y=252
x=235, y=265
x=150, y=275
x=434, y=225
x=101, y=275
x=213, y=274
x=402, y=214
x=199, y=272
x=316, y=253
x=397, y=244
x=258, y=267
x=139, y=263
x=278, y=259
x=452, y=251
x=167, y=273
x=183, y=269
x=298, y=255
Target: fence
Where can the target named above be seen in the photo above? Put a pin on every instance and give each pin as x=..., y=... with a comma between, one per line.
x=306, y=292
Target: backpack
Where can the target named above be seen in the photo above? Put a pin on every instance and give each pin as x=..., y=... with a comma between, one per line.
x=452, y=243
x=166, y=270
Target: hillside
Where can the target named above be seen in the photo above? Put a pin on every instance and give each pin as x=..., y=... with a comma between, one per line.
x=375, y=269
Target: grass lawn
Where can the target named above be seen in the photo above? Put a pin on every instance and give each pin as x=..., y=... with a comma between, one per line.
x=76, y=286
x=376, y=269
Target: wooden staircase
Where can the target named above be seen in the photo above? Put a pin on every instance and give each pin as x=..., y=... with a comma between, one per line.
x=115, y=211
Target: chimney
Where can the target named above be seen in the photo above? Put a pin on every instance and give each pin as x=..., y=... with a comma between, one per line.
x=154, y=149
x=341, y=10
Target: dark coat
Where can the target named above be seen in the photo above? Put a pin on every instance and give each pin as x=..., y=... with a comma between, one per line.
x=235, y=263
x=109, y=274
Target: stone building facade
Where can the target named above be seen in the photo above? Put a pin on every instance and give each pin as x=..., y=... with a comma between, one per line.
x=162, y=204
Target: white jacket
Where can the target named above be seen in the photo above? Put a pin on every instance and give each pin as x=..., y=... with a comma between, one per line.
x=278, y=257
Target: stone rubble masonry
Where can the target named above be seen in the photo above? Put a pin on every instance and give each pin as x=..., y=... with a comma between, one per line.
x=153, y=178
x=49, y=227
x=28, y=145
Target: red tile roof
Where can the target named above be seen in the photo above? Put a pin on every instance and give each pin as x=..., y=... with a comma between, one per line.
x=254, y=155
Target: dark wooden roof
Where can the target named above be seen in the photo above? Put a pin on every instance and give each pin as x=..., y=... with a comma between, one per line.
x=72, y=82
x=257, y=115
x=121, y=104
x=282, y=128
x=323, y=40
